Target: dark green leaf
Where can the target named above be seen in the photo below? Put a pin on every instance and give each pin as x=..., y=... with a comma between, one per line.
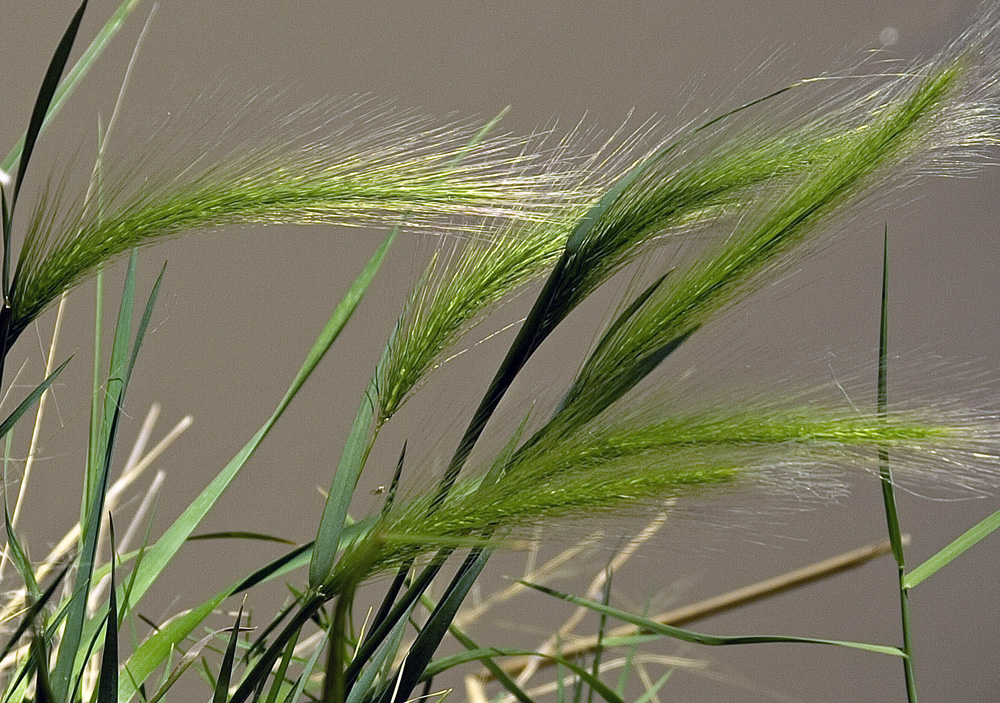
x=107, y=689
x=226, y=670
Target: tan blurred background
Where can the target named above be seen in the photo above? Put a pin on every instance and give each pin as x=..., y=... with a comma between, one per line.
x=239, y=309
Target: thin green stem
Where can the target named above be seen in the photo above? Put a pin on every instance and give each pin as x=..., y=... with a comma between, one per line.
x=885, y=475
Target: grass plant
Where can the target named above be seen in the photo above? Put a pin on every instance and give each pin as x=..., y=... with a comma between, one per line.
x=749, y=191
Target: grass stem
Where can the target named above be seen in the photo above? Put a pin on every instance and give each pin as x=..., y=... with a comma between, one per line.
x=885, y=479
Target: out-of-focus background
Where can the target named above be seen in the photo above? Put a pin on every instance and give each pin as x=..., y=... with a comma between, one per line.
x=240, y=308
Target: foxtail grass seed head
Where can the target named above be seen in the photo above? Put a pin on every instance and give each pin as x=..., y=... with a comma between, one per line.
x=777, y=174
x=775, y=182
x=369, y=166
x=773, y=176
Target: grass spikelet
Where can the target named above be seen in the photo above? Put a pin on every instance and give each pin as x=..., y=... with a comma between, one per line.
x=900, y=123
x=776, y=185
x=378, y=168
x=459, y=287
x=642, y=460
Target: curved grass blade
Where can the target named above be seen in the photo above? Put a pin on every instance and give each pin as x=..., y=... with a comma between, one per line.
x=154, y=650
x=257, y=675
x=281, y=672
x=294, y=559
x=310, y=666
x=338, y=500
x=400, y=610
x=699, y=638
x=189, y=658
x=113, y=386
x=352, y=462
x=6, y=224
x=241, y=534
x=46, y=92
x=157, y=647
x=401, y=574
x=357, y=562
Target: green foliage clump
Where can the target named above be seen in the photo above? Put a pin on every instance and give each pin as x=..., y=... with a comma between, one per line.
x=514, y=212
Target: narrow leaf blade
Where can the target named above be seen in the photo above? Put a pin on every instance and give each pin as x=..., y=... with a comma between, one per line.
x=959, y=546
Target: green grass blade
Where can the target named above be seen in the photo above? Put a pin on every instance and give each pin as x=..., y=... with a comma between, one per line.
x=256, y=676
x=6, y=225
x=886, y=481
x=300, y=685
x=699, y=638
x=594, y=683
x=33, y=611
x=43, y=687
x=76, y=74
x=31, y=399
x=140, y=332
x=113, y=385
x=882, y=399
x=171, y=676
x=157, y=647
x=365, y=683
x=46, y=93
x=96, y=414
x=339, y=631
x=241, y=534
x=122, y=365
x=423, y=648
x=398, y=613
x=336, y=506
x=295, y=559
x=650, y=693
x=155, y=650
x=333, y=678
x=160, y=554
x=108, y=685
x=959, y=546
x=444, y=663
x=278, y=680
x=226, y=670
x=602, y=625
x=358, y=443
x=338, y=500
x=17, y=552
x=564, y=288
x=501, y=676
